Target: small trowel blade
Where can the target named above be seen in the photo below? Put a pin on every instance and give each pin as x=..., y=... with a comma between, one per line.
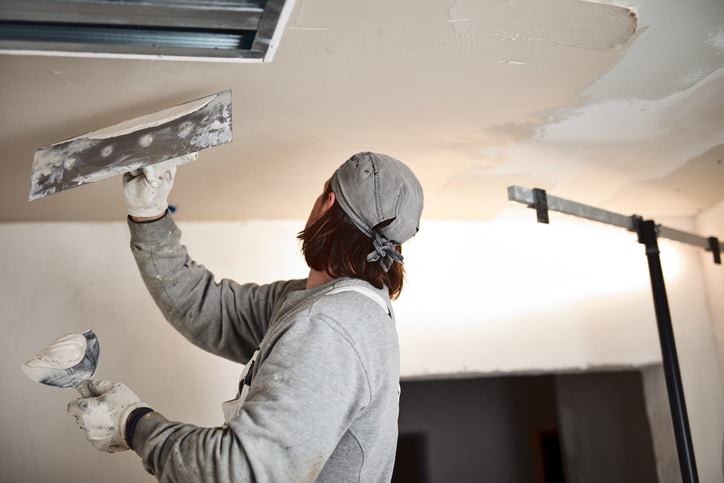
x=66, y=362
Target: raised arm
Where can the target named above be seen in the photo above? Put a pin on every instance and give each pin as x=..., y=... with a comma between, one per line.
x=225, y=318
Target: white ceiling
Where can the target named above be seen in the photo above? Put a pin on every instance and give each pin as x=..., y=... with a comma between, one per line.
x=615, y=105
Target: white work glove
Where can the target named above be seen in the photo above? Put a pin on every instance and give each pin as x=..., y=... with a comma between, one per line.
x=103, y=416
x=147, y=190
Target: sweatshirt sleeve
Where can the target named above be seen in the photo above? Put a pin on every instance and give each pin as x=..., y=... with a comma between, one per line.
x=308, y=390
x=225, y=318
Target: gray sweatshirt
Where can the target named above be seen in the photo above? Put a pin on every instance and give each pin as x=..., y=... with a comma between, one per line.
x=323, y=393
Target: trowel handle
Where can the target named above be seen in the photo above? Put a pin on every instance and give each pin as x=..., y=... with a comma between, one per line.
x=84, y=388
x=178, y=161
x=186, y=158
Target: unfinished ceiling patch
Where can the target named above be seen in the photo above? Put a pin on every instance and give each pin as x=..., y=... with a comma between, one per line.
x=679, y=45
x=571, y=23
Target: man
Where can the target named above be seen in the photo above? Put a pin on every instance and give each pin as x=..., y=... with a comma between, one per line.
x=318, y=399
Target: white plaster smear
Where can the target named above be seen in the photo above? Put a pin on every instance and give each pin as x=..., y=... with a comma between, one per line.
x=116, y=170
x=600, y=142
x=641, y=101
x=665, y=57
x=716, y=39
x=627, y=121
x=63, y=353
x=138, y=123
x=148, y=120
x=571, y=23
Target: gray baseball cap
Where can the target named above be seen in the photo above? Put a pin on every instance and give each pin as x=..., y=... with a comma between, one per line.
x=373, y=188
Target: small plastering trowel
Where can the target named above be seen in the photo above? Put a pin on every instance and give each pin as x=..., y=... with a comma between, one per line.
x=69, y=361
x=173, y=133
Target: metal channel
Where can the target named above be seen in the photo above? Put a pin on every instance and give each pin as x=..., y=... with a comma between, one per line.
x=525, y=196
x=58, y=33
x=688, y=238
x=155, y=14
x=214, y=30
x=648, y=233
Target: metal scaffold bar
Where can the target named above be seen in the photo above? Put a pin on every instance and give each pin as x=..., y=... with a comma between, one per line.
x=527, y=196
x=648, y=232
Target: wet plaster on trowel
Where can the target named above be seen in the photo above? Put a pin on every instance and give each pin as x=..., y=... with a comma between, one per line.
x=148, y=120
x=69, y=361
x=64, y=353
x=171, y=133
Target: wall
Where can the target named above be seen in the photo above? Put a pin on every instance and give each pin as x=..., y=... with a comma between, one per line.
x=505, y=296
x=61, y=278
x=604, y=430
x=661, y=424
x=711, y=223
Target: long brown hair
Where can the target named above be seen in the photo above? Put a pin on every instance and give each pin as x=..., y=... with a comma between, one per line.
x=334, y=244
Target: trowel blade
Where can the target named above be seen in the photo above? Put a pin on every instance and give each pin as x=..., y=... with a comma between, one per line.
x=48, y=367
x=150, y=139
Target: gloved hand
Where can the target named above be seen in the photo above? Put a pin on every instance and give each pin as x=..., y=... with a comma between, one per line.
x=147, y=190
x=103, y=416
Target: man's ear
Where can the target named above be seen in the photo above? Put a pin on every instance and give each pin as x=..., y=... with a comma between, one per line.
x=328, y=202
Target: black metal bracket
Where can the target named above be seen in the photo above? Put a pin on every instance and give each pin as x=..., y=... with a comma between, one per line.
x=714, y=249
x=636, y=222
x=648, y=232
x=540, y=203
x=647, y=235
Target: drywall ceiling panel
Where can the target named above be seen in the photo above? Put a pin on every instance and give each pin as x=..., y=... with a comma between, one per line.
x=616, y=105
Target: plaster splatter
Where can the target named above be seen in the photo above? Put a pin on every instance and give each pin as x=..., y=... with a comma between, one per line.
x=716, y=39
x=185, y=129
x=145, y=140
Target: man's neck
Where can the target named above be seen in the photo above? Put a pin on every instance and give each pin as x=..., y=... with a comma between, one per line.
x=317, y=278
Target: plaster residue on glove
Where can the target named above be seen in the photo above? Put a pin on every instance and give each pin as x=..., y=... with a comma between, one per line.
x=65, y=362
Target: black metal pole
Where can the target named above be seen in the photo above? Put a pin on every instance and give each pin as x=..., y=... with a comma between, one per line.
x=682, y=433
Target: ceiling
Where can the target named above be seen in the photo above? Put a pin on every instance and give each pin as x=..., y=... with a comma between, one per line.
x=615, y=105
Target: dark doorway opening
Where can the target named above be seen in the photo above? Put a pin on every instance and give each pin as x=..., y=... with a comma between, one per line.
x=551, y=458
x=549, y=428
x=411, y=459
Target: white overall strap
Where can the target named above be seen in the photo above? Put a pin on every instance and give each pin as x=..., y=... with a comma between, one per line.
x=364, y=291
x=232, y=408
x=372, y=295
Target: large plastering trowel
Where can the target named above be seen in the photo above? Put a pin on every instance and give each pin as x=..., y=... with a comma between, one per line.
x=69, y=361
x=172, y=133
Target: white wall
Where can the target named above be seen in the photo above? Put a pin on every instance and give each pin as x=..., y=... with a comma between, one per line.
x=499, y=296
x=711, y=223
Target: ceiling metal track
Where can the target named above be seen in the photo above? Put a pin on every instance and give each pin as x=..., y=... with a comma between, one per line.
x=180, y=29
